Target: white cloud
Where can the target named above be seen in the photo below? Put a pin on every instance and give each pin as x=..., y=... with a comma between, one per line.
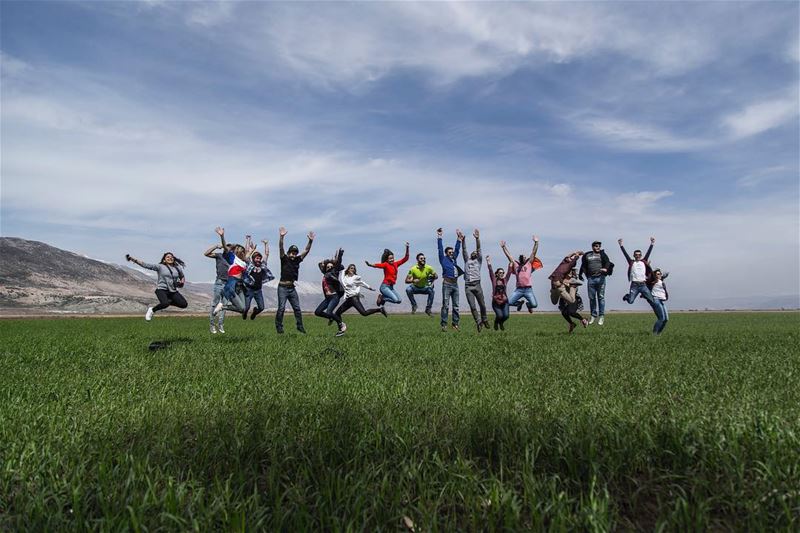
x=355, y=44
x=638, y=202
x=755, y=179
x=627, y=135
x=762, y=116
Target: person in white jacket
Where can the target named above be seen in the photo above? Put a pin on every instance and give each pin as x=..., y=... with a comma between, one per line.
x=352, y=283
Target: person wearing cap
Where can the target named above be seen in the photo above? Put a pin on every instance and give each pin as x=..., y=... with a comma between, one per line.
x=256, y=274
x=596, y=265
x=450, y=272
x=290, y=269
x=420, y=280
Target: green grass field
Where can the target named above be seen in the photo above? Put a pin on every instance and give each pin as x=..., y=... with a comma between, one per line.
x=398, y=423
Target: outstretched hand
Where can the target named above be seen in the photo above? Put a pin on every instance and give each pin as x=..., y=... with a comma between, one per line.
x=265, y=242
x=488, y=259
x=439, y=233
x=367, y=263
x=407, y=244
x=476, y=233
x=535, y=238
x=219, y=231
x=282, y=231
x=502, y=244
x=652, y=240
x=311, y=235
x=619, y=241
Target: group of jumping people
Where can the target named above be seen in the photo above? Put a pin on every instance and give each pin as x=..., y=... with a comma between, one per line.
x=242, y=272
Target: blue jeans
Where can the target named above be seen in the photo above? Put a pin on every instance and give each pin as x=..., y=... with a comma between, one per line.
x=637, y=288
x=662, y=315
x=254, y=294
x=288, y=294
x=501, y=312
x=327, y=308
x=219, y=285
x=450, y=292
x=389, y=294
x=235, y=301
x=525, y=293
x=597, y=295
x=411, y=290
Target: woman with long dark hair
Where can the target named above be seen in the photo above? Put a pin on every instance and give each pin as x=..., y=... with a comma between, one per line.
x=499, y=279
x=170, y=279
x=389, y=266
x=352, y=283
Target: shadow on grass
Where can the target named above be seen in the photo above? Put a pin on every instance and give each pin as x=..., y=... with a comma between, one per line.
x=329, y=465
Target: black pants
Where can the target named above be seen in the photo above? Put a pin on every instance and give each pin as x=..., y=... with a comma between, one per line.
x=570, y=311
x=166, y=298
x=354, y=301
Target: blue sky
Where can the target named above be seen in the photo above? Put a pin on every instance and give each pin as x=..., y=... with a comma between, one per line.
x=139, y=126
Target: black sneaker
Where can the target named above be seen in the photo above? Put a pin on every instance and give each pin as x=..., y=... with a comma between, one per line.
x=254, y=314
x=479, y=325
x=279, y=331
x=496, y=325
x=502, y=327
x=520, y=304
x=301, y=329
x=428, y=312
x=339, y=333
x=383, y=311
x=413, y=309
x=625, y=299
x=486, y=323
x=244, y=315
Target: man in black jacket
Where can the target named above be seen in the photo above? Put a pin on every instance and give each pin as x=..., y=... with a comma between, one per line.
x=596, y=266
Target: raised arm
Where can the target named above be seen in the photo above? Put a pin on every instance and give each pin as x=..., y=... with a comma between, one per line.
x=148, y=266
x=311, y=236
x=337, y=261
x=650, y=248
x=457, y=248
x=491, y=270
x=266, y=249
x=439, y=244
x=460, y=240
x=535, y=248
x=282, y=232
x=477, y=235
x=624, y=252
x=221, y=232
x=505, y=251
x=210, y=251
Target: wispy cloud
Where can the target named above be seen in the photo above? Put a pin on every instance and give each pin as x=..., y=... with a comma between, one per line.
x=762, y=116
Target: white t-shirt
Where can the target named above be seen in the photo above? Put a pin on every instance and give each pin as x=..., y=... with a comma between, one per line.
x=638, y=271
x=658, y=290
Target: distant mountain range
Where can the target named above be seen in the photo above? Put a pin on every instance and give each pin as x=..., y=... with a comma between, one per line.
x=37, y=278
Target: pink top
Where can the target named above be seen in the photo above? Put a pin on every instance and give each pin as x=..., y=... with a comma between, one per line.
x=523, y=273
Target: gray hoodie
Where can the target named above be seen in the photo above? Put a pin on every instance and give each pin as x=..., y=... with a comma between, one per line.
x=167, y=275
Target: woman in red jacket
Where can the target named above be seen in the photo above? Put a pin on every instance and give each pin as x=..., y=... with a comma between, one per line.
x=389, y=266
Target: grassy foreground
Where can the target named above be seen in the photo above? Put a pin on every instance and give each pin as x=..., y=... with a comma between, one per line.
x=399, y=426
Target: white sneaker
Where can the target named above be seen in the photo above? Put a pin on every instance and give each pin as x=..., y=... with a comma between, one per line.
x=220, y=329
x=591, y=320
x=213, y=330
x=217, y=309
x=149, y=314
x=600, y=321
x=343, y=328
